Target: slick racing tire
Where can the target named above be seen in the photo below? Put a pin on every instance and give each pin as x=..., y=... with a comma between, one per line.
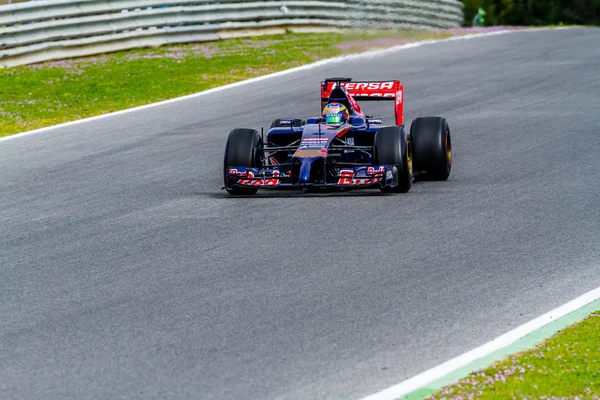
x=432, y=148
x=241, y=150
x=392, y=146
x=277, y=123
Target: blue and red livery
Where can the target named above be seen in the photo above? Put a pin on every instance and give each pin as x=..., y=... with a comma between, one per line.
x=361, y=153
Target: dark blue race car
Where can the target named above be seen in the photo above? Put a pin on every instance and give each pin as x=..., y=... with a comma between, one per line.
x=341, y=149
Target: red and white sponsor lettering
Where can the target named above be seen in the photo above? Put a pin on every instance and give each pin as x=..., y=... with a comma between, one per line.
x=260, y=182
x=390, y=95
x=347, y=177
x=366, y=89
x=378, y=90
x=363, y=86
x=371, y=171
x=398, y=97
x=233, y=171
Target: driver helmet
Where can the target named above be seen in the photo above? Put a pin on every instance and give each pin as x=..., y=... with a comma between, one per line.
x=335, y=113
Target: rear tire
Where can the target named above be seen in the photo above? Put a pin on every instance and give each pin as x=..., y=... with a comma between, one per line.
x=432, y=147
x=242, y=150
x=277, y=123
x=392, y=146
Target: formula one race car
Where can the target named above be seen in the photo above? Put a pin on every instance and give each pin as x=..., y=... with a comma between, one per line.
x=341, y=149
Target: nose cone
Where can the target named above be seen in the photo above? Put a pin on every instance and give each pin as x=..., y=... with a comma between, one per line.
x=304, y=176
x=311, y=166
x=309, y=158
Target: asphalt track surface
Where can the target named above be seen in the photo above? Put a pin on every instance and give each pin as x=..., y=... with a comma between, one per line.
x=127, y=273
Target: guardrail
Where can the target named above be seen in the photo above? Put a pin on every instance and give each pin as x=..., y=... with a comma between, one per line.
x=2, y=2
x=44, y=30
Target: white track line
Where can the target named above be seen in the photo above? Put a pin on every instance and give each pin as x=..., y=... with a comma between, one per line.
x=501, y=342
x=367, y=54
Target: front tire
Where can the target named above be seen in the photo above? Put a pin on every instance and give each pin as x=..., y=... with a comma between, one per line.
x=242, y=149
x=393, y=146
x=432, y=147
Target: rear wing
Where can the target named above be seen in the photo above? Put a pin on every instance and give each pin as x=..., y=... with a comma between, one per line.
x=366, y=91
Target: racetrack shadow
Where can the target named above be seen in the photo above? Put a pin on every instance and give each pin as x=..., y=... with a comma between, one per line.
x=293, y=194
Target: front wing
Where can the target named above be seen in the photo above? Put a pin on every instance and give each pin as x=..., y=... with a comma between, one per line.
x=360, y=177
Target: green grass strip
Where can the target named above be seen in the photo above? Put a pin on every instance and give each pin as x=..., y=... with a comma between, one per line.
x=565, y=366
x=51, y=93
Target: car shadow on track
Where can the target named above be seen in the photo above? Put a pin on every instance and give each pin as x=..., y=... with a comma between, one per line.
x=293, y=194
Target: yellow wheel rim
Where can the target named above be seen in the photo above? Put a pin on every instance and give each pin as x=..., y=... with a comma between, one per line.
x=448, y=146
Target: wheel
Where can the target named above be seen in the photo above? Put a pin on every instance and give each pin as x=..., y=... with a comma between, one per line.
x=241, y=150
x=393, y=146
x=296, y=123
x=432, y=147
